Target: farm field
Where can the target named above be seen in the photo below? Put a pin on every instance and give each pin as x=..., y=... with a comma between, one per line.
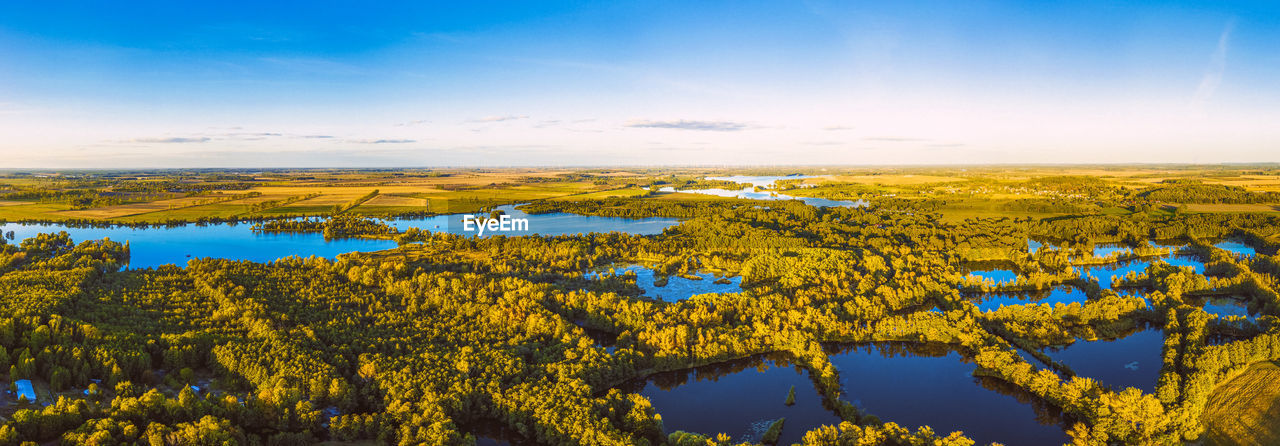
x=956, y=194
x=1246, y=409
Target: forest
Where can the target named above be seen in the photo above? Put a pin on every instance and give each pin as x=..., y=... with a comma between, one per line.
x=446, y=338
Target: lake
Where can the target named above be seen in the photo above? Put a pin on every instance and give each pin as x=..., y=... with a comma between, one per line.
x=1104, y=273
x=1132, y=360
x=749, y=192
x=1237, y=248
x=1033, y=246
x=910, y=384
x=997, y=275
x=1058, y=295
x=1224, y=306
x=677, y=288
x=762, y=180
x=155, y=246
x=928, y=384
x=552, y=224
x=740, y=398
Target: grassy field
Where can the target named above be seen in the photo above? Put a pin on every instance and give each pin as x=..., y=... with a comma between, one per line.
x=1246, y=409
x=613, y=193
x=444, y=191
x=1196, y=207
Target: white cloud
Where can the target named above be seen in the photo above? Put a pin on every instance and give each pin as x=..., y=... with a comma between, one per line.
x=412, y=123
x=1217, y=66
x=170, y=140
x=382, y=141
x=500, y=118
x=709, y=126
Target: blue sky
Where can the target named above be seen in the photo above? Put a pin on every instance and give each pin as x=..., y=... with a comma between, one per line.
x=226, y=84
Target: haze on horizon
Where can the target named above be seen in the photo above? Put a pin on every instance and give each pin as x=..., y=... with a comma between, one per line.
x=293, y=84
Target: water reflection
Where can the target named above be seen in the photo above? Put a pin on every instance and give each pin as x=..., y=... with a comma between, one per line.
x=762, y=180
x=676, y=287
x=1133, y=360
x=995, y=271
x=1058, y=295
x=1033, y=246
x=735, y=398
x=766, y=181
x=603, y=339
x=1105, y=273
x=749, y=193
x=155, y=246
x=551, y=224
x=1225, y=306
x=1237, y=248
x=927, y=384
x=150, y=247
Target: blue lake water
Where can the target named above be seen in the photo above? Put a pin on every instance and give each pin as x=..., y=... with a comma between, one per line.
x=541, y=224
x=677, y=288
x=1104, y=273
x=1033, y=246
x=996, y=275
x=915, y=385
x=1237, y=248
x=766, y=181
x=1062, y=294
x=910, y=384
x=1130, y=361
x=1108, y=249
x=750, y=193
x=155, y=246
x=1224, y=306
x=740, y=398
x=761, y=180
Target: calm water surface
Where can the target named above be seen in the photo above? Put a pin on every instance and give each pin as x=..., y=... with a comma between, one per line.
x=1105, y=273
x=155, y=246
x=1130, y=361
x=677, y=288
x=762, y=180
x=542, y=224
x=1058, y=295
x=740, y=398
x=917, y=385
x=1224, y=306
x=997, y=275
x=912, y=385
x=1033, y=246
x=1237, y=248
x=750, y=193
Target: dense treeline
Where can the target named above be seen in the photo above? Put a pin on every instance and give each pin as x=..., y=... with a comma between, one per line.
x=338, y=226
x=1190, y=191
